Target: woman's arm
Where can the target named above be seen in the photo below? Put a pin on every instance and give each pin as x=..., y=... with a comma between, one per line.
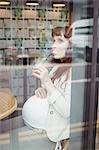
x=60, y=99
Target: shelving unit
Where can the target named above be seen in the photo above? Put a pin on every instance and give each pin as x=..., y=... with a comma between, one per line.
x=28, y=29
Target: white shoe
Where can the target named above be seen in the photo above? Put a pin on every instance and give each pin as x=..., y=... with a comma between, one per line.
x=58, y=146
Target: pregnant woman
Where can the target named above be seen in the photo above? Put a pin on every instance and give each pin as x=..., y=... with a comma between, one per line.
x=49, y=108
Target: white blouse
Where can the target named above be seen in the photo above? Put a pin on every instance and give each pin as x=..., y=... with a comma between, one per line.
x=37, y=111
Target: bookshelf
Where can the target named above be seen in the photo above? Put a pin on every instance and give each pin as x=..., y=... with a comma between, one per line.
x=28, y=29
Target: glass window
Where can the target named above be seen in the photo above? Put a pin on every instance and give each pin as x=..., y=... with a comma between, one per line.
x=25, y=39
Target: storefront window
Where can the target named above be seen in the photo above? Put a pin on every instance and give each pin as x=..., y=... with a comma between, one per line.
x=25, y=38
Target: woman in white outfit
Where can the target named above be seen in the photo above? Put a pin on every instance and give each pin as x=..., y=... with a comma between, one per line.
x=55, y=90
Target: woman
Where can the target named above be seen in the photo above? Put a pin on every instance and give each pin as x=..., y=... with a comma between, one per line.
x=56, y=89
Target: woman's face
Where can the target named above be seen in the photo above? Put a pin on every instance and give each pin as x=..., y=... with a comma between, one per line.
x=59, y=46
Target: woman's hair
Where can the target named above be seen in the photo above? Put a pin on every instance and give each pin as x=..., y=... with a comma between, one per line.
x=58, y=31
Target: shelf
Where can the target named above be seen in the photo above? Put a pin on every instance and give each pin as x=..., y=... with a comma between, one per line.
x=30, y=27
x=5, y=28
x=16, y=18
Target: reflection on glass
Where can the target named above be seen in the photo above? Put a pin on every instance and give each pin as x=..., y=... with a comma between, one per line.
x=26, y=37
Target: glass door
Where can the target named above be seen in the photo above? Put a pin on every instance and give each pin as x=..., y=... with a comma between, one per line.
x=97, y=125
x=85, y=76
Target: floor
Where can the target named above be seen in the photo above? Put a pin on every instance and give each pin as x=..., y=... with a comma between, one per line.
x=25, y=139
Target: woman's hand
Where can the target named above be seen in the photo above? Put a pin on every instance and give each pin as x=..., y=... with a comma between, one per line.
x=41, y=92
x=41, y=72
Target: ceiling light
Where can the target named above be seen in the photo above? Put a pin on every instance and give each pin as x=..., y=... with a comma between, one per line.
x=4, y=2
x=58, y=5
x=32, y=3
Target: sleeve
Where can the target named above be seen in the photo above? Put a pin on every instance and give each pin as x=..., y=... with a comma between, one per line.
x=60, y=99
